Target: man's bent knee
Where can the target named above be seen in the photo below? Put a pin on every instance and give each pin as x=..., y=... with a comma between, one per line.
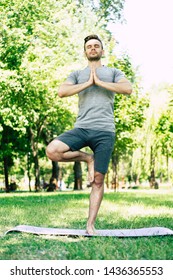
x=55, y=150
x=53, y=154
x=99, y=179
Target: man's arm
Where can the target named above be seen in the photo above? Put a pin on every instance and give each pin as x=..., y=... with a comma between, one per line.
x=122, y=86
x=69, y=89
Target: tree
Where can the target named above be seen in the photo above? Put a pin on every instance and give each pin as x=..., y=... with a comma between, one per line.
x=28, y=92
x=110, y=10
x=148, y=159
x=128, y=111
x=164, y=132
x=77, y=176
x=39, y=46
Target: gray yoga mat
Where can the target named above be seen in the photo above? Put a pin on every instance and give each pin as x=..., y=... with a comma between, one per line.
x=151, y=231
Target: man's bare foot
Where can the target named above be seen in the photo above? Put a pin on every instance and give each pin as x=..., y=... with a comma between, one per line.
x=91, y=169
x=91, y=230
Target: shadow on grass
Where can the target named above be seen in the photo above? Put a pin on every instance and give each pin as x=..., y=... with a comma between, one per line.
x=69, y=210
x=146, y=199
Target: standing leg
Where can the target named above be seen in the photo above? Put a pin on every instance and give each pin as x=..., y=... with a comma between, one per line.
x=102, y=145
x=95, y=201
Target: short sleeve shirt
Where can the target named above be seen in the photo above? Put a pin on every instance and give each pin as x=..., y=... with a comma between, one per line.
x=96, y=104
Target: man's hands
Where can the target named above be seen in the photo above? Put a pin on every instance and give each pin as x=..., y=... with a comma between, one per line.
x=69, y=89
x=94, y=80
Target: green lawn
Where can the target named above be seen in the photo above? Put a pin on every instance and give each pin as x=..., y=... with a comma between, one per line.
x=127, y=209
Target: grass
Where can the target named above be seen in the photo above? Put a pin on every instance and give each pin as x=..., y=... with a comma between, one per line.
x=126, y=209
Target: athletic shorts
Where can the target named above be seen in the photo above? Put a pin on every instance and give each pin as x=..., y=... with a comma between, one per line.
x=100, y=142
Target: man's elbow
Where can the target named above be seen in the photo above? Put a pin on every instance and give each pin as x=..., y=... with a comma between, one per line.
x=129, y=90
x=61, y=93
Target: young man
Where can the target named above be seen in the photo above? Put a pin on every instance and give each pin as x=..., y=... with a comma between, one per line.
x=96, y=86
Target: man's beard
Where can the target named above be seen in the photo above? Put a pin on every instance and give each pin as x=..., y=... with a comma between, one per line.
x=94, y=58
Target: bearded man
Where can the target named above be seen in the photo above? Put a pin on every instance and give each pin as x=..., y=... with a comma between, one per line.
x=96, y=86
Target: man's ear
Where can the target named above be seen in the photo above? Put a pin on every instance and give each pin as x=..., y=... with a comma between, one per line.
x=103, y=52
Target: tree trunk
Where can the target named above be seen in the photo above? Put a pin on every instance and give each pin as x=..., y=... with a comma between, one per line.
x=152, y=178
x=107, y=179
x=37, y=172
x=34, y=148
x=167, y=166
x=77, y=176
x=115, y=172
x=5, y=160
x=55, y=173
x=29, y=169
x=5, y=153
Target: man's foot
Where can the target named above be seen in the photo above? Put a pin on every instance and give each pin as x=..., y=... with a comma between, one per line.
x=91, y=169
x=91, y=230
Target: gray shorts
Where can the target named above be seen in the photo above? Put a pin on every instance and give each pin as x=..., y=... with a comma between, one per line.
x=100, y=142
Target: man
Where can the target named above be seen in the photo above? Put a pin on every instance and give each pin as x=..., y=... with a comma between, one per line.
x=96, y=86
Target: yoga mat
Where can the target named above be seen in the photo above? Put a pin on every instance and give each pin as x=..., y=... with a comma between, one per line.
x=139, y=232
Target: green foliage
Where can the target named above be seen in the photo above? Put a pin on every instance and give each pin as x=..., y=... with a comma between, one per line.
x=41, y=42
x=154, y=138
x=111, y=10
x=164, y=128
x=128, y=110
x=124, y=64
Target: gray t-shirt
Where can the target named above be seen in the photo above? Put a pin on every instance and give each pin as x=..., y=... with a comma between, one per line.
x=96, y=104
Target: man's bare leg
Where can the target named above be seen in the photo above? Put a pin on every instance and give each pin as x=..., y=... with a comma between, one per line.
x=95, y=201
x=59, y=151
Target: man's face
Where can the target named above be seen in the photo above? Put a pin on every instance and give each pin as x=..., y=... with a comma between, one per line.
x=93, y=50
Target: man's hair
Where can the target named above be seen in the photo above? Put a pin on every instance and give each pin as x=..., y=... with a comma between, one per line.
x=90, y=37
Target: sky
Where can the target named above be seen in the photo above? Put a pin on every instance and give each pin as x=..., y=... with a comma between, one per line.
x=147, y=37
